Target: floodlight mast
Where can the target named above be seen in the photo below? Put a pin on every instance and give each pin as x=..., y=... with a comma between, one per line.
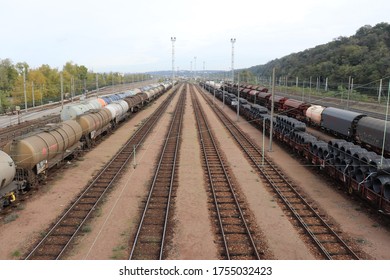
x=173, y=40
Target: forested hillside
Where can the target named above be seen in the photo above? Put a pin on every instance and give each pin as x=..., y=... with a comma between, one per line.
x=365, y=56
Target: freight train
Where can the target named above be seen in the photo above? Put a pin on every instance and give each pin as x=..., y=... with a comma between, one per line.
x=360, y=171
x=352, y=126
x=26, y=160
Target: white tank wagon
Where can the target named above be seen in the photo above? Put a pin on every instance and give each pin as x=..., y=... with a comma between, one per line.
x=119, y=110
x=7, y=170
x=313, y=114
x=7, y=175
x=35, y=154
x=70, y=112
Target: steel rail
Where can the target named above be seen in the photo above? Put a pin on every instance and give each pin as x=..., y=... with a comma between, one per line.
x=201, y=119
x=245, y=142
x=176, y=124
x=134, y=142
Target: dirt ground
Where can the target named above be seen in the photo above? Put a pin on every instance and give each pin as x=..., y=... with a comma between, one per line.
x=107, y=235
x=38, y=212
x=269, y=217
x=373, y=238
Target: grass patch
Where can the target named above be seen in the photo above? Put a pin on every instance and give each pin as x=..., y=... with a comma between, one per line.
x=86, y=228
x=16, y=254
x=20, y=207
x=360, y=241
x=118, y=253
x=98, y=212
x=10, y=218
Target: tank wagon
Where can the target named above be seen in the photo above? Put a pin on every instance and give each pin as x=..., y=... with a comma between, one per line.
x=35, y=154
x=26, y=161
x=7, y=174
x=360, y=171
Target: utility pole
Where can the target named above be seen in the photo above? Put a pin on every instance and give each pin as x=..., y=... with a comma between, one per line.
x=173, y=40
x=62, y=91
x=204, y=73
x=272, y=111
x=195, y=68
x=32, y=92
x=41, y=95
x=72, y=91
x=310, y=90
x=24, y=89
x=380, y=91
x=238, y=96
x=385, y=130
x=326, y=84
x=97, y=82
x=349, y=93
x=233, y=40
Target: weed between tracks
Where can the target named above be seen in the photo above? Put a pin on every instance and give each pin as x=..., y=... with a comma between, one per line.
x=16, y=254
x=118, y=252
x=10, y=218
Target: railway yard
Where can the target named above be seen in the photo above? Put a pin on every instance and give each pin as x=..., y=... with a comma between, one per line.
x=182, y=178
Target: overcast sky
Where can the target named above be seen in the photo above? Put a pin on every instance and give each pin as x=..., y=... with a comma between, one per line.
x=135, y=36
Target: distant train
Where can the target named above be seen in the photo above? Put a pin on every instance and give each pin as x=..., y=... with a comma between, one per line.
x=25, y=161
x=359, y=170
x=352, y=126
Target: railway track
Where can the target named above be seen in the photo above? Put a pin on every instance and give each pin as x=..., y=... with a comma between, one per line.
x=11, y=132
x=235, y=233
x=150, y=238
x=329, y=244
x=60, y=235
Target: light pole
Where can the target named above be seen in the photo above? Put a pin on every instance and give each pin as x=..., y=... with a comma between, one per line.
x=24, y=89
x=173, y=40
x=204, y=73
x=195, y=68
x=233, y=40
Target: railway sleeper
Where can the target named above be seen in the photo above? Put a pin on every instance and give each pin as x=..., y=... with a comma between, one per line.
x=57, y=240
x=151, y=237
x=246, y=217
x=235, y=229
x=228, y=211
x=229, y=207
x=221, y=193
x=64, y=230
x=80, y=214
x=146, y=251
x=87, y=200
x=50, y=251
x=68, y=221
x=232, y=221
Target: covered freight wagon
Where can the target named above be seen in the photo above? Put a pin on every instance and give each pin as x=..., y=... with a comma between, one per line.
x=370, y=131
x=340, y=121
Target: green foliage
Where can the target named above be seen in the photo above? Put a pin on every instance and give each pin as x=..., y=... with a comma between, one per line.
x=43, y=83
x=364, y=56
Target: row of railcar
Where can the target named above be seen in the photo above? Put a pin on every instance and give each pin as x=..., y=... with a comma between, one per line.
x=352, y=126
x=26, y=160
x=359, y=170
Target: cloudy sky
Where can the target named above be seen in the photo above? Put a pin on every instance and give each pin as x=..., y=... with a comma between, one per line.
x=135, y=36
